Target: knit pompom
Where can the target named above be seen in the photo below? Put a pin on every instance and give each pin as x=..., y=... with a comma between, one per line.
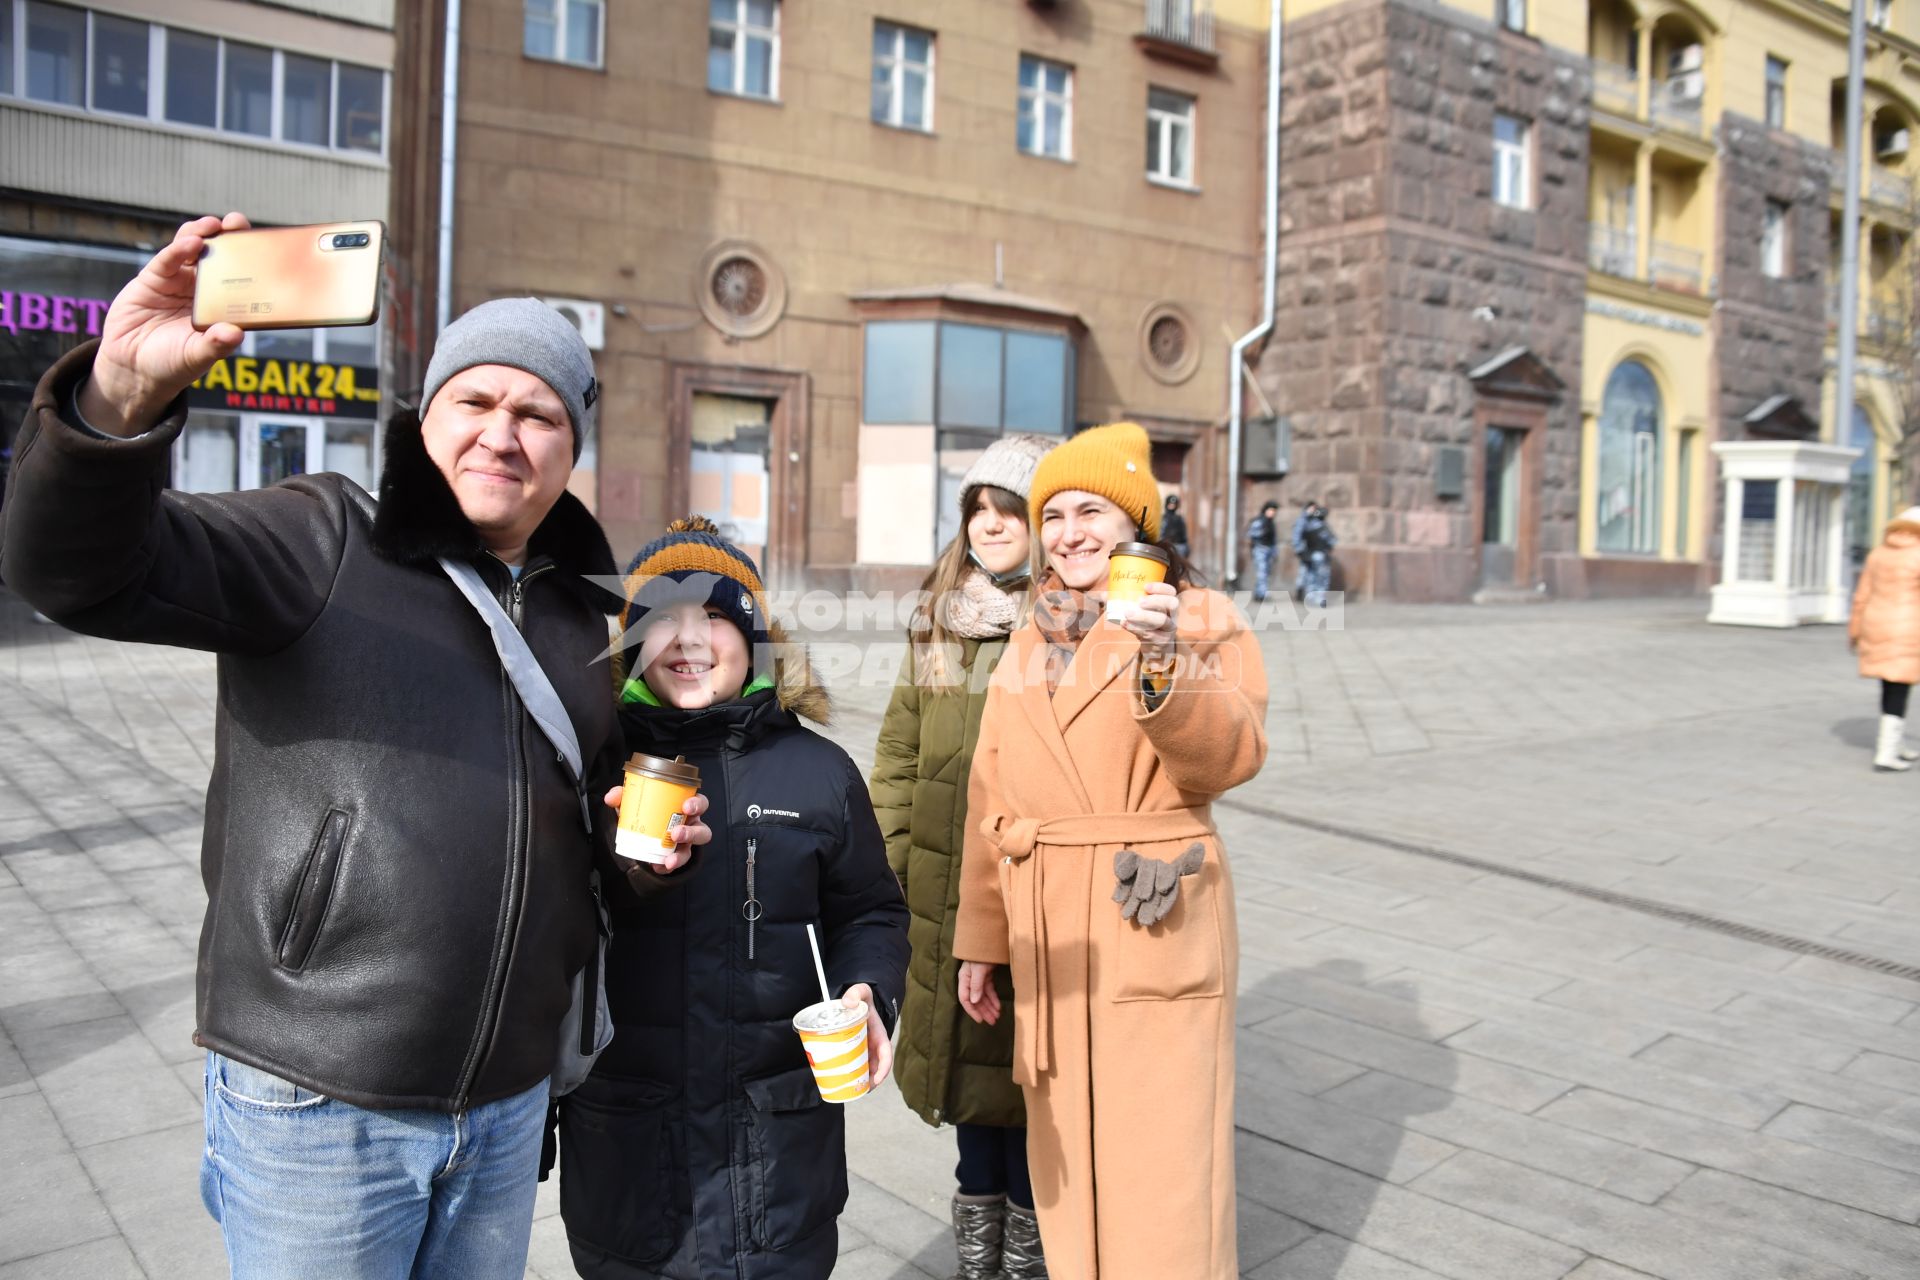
x=694, y=524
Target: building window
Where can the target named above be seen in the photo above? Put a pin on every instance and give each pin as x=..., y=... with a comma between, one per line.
x=1170, y=137
x=1046, y=108
x=564, y=30
x=1883, y=13
x=120, y=60
x=193, y=79
x=248, y=103
x=119, y=66
x=1512, y=145
x=1629, y=472
x=743, y=47
x=1513, y=14
x=1773, y=240
x=964, y=376
x=56, y=47
x=1776, y=92
x=902, y=77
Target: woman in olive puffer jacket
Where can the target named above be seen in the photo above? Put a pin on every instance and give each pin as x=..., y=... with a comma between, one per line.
x=951, y=1069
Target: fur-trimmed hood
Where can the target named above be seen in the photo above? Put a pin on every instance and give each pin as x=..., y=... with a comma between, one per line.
x=1902, y=531
x=419, y=519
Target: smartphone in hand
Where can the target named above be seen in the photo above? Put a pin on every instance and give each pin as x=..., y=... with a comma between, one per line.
x=291, y=277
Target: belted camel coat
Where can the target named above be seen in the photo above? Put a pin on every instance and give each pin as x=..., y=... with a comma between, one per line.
x=1123, y=1035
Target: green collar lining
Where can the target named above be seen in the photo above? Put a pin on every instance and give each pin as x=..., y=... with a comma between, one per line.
x=637, y=690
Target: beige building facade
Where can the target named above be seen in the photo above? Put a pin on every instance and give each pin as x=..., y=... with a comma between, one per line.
x=828, y=251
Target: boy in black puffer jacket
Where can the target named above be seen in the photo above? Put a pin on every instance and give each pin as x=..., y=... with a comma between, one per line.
x=700, y=1146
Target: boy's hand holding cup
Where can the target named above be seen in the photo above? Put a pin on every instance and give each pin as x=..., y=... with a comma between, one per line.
x=669, y=855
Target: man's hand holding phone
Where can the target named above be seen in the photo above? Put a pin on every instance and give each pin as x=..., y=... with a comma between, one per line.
x=149, y=350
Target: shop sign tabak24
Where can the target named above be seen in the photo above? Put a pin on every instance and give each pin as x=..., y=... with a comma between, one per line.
x=271, y=385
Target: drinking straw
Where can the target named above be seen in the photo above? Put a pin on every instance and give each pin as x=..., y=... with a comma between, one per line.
x=820, y=970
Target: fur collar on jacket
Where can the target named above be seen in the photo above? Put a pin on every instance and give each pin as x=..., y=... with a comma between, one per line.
x=419, y=519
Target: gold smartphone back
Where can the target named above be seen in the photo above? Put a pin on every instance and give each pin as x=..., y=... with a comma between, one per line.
x=291, y=277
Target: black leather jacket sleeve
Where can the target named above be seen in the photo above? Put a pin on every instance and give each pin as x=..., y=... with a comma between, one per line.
x=862, y=910
x=93, y=538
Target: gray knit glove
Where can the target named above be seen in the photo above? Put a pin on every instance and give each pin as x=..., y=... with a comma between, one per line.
x=1148, y=887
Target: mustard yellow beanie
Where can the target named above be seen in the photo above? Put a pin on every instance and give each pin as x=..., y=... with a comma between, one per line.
x=1114, y=461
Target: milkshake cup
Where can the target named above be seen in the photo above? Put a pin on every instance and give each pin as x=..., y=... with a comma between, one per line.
x=650, y=808
x=1130, y=567
x=835, y=1038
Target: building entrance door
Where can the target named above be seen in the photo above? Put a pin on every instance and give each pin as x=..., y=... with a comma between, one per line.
x=729, y=480
x=1500, y=534
x=273, y=449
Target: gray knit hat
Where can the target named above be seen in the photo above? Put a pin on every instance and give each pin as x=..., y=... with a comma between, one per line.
x=1008, y=463
x=524, y=334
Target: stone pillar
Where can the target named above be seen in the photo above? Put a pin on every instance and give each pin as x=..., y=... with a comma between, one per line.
x=1643, y=212
x=1643, y=37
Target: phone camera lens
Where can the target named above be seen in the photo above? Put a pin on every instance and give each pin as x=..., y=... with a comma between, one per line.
x=340, y=242
x=363, y=239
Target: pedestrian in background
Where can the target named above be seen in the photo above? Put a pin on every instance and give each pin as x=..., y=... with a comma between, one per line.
x=1884, y=630
x=1092, y=866
x=951, y=1069
x=1173, y=527
x=701, y=1146
x=1313, y=544
x=1263, y=536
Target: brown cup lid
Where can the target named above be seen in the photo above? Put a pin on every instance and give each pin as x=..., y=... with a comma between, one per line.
x=1141, y=550
x=674, y=770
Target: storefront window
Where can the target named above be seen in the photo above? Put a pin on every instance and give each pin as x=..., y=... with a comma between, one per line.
x=969, y=376
x=207, y=458
x=349, y=452
x=987, y=378
x=899, y=369
x=1629, y=473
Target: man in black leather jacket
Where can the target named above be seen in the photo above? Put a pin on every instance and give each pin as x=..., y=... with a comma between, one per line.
x=397, y=864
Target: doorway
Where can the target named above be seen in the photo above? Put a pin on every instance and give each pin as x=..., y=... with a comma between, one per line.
x=273, y=449
x=1500, y=531
x=737, y=454
x=729, y=480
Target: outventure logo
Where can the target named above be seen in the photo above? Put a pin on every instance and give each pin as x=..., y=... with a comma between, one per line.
x=755, y=813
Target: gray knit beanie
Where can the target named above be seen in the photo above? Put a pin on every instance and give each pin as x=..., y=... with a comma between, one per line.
x=524, y=334
x=1008, y=463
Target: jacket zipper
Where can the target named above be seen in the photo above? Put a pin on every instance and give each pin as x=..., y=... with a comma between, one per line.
x=519, y=819
x=751, y=908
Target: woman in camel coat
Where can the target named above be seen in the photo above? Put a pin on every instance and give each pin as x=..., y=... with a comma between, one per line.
x=1103, y=745
x=1885, y=630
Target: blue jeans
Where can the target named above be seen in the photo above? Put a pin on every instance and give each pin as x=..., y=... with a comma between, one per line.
x=304, y=1185
x=1262, y=570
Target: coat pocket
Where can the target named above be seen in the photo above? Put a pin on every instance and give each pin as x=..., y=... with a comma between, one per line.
x=796, y=1159
x=616, y=1167
x=1182, y=957
x=314, y=891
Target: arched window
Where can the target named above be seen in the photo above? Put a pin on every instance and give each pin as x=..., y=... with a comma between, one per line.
x=1629, y=480
x=1861, y=533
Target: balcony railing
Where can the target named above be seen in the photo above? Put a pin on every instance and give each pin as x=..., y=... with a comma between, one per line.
x=1612, y=251
x=1890, y=188
x=1616, y=88
x=1675, y=267
x=1188, y=23
x=1682, y=115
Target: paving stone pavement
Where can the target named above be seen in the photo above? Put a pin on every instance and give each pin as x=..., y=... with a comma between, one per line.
x=1455, y=1070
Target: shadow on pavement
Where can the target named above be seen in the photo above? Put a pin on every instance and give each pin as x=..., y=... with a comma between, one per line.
x=1858, y=732
x=1318, y=1142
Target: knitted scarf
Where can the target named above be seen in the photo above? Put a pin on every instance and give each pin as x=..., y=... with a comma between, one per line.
x=1064, y=616
x=979, y=610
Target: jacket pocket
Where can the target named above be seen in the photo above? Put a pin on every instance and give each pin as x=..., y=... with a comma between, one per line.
x=1182, y=957
x=313, y=892
x=616, y=1167
x=796, y=1159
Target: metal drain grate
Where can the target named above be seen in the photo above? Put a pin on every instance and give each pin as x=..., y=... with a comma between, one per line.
x=1625, y=901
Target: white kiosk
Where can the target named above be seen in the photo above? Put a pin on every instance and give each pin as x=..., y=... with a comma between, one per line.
x=1783, y=554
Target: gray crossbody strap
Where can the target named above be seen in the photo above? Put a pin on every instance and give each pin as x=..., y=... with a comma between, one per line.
x=536, y=691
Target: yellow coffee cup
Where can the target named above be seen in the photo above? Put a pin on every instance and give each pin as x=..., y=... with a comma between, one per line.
x=650, y=808
x=835, y=1038
x=1130, y=567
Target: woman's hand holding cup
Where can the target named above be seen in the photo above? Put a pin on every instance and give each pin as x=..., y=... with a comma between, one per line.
x=149, y=350
x=1151, y=618
x=686, y=835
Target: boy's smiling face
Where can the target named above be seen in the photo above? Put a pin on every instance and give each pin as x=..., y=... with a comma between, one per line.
x=692, y=656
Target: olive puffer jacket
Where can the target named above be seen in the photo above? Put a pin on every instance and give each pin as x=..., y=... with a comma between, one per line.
x=951, y=1069
x=1885, y=625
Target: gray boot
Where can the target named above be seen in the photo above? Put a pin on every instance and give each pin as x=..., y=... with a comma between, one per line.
x=1024, y=1260
x=979, y=1224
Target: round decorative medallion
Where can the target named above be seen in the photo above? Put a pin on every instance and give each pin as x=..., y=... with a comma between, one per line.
x=1169, y=347
x=740, y=291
